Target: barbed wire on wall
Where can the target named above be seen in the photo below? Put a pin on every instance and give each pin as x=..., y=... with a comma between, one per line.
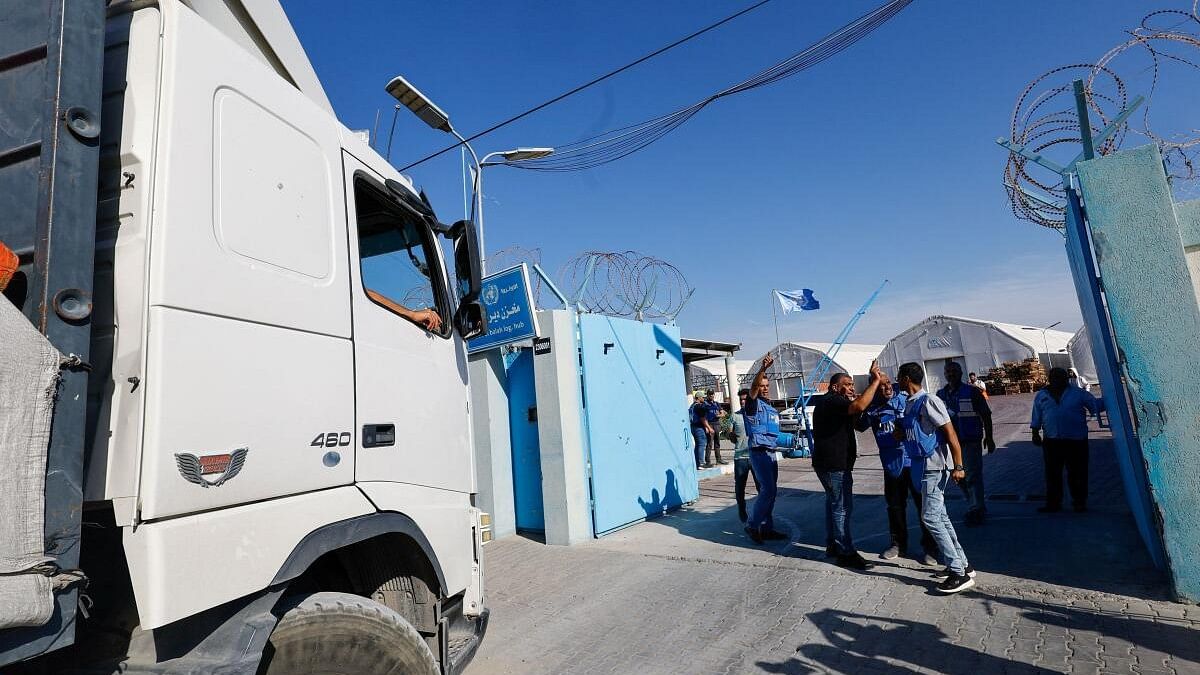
x=1044, y=119
x=514, y=255
x=625, y=283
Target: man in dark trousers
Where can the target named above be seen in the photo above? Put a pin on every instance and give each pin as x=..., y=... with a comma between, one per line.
x=713, y=410
x=700, y=428
x=762, y=428
x=835, y=447
x=882, y=418
x=1061, y=411
x=972, y=419
x=741, y=456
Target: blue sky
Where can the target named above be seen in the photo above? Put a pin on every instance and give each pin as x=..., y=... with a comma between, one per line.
x=880, y=162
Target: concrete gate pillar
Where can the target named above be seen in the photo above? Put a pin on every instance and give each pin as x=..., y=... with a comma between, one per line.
x=561, y=436
x=493, y=443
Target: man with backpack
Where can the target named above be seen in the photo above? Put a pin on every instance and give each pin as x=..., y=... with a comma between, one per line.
x=936, y=457
x=898, y=484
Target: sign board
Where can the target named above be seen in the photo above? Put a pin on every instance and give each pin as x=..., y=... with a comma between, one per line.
x=541, y=346
x=507, y=301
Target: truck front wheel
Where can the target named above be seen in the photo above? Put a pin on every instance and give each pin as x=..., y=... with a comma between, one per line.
x=336, y=633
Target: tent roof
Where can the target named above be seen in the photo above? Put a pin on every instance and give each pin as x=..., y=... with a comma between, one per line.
x=717, y=366
x=1056, y=340
x=852, y=358
x=1030, y=336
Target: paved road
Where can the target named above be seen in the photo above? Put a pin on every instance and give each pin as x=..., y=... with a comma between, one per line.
x=690, y=593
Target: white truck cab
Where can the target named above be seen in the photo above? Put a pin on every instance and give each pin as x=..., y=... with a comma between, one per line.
x=276, y=462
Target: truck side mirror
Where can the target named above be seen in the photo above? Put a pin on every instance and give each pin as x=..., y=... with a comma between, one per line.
x=469, y=319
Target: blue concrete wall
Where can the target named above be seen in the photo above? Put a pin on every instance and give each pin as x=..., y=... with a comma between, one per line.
x=1156, y=322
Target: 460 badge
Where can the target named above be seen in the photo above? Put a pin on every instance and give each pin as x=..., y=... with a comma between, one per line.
x=332, y=439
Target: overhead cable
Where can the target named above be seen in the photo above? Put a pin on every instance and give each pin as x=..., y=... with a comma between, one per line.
x=618, y=143
x=590, y=83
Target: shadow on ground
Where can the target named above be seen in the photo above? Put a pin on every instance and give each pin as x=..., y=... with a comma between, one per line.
x=860, y=643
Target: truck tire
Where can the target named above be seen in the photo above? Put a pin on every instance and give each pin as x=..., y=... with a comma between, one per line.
x=340, y=633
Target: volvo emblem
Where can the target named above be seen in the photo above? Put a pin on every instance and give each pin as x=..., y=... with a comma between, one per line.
x=226, y=466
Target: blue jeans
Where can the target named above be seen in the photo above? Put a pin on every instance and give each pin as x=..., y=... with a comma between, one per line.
x=741, y=471
x=972, y=485
x=700, y=436
x=765, y=465
x=839, y=506
x=937, y=521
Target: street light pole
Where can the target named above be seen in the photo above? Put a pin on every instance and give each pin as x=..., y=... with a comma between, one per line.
x=1046, y=343
x=427, y=112
x=514, y=155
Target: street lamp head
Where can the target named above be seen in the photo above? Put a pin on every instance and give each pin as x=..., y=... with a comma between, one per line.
x=522, y=154
x=410, y=97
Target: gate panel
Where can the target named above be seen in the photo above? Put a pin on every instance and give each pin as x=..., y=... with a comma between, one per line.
x=641, y=458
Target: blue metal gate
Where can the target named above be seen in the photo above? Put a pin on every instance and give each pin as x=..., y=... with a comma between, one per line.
x=526, y=453
x=636, y=420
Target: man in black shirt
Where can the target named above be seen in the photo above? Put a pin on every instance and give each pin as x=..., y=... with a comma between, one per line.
x=835, y=447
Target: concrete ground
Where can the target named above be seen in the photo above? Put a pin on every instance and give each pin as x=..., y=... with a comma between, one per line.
x=690, y=593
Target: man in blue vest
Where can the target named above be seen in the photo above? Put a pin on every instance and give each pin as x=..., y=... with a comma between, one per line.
x=932, y=446
x=972, y=418
x=898, y=485
x=700, y=429
x=762, y=427
x=713, y=410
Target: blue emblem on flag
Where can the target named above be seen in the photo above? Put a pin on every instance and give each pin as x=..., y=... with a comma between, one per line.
x=802, y=299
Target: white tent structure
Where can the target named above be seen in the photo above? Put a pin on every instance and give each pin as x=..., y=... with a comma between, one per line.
x=976, y=344
x=710, y=374
x=1080, y=349
x=794, y=358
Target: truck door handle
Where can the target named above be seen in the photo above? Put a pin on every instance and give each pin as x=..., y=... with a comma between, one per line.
x=378, y=435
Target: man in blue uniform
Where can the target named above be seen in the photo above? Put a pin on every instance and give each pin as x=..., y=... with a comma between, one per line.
x=1061, y=410
x=762, y=427
x=972, y=418
x=932, y=447
x=700, y=429
x=898, y=485
x=713, y=411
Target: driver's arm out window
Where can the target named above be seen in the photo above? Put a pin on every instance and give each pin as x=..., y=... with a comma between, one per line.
x=395, y=255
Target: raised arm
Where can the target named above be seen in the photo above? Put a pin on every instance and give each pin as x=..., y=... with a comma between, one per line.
x=864, y=399
x=760, y=378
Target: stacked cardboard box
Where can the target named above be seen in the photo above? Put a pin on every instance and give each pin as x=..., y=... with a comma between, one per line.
x=1016, y=377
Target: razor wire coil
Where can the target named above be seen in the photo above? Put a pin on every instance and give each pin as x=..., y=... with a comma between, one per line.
x=1044, y=119
x=625, y=283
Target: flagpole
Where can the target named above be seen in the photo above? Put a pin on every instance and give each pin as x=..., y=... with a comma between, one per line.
x=778, y=342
